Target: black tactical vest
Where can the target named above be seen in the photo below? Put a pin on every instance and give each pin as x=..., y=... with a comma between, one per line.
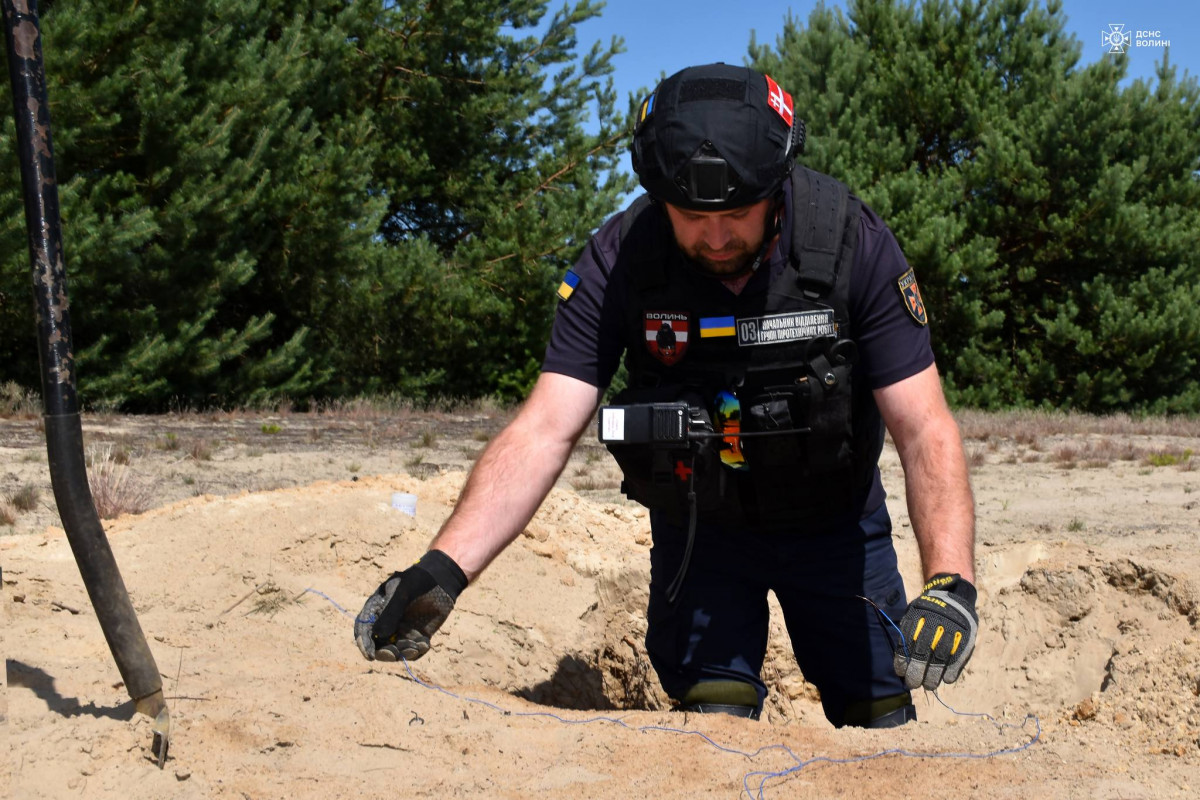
x=787, y=354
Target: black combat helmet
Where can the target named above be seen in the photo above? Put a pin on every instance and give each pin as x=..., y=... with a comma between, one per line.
x=715, y=137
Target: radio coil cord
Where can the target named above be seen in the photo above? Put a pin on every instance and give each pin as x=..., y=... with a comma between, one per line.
x=677, y=583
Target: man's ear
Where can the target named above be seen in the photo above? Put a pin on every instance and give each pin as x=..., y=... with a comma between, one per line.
x=775, y=218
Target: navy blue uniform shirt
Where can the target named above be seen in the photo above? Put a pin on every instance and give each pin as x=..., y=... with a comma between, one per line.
x=588, y=340
x=588, y=337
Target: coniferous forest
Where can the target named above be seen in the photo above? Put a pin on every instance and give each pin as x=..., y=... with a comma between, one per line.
x=323, y=199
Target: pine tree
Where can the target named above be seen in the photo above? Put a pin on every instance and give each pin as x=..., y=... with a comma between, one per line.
x=193, y=150
x=264, y=199
x=492, y=186
x=1051, y=215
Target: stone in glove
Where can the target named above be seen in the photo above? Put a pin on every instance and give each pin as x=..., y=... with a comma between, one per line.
x=938, y=633
x=408, y=608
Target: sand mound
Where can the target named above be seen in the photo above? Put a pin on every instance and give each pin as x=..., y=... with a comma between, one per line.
x=248, y=600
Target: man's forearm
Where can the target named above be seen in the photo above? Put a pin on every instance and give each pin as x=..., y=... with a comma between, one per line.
x=940, y=504
x=503, y=492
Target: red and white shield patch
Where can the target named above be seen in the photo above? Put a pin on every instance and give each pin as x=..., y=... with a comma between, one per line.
x=666, y=335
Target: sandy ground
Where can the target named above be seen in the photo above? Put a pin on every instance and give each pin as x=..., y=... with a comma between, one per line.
x=263, y=537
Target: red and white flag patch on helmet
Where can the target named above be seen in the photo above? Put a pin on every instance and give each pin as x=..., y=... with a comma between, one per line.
x=780, y=100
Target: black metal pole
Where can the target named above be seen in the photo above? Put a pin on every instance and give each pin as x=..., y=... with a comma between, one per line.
x=64, y=431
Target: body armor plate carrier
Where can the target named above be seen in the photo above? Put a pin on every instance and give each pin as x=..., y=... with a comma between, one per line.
x=812, y=438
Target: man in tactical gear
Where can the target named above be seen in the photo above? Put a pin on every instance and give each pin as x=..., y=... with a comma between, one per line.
x=771, y=328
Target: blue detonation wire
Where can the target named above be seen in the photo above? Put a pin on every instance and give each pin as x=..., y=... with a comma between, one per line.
x=801, y=764
x=332, y=602
x=763, y=776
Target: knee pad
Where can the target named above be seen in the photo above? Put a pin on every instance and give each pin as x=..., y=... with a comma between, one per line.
x=750, y=712
x=883, y=712
x=896, y=718
x=722, y=697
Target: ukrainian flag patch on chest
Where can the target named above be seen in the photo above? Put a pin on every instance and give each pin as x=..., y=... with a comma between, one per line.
x=712, y=327
x=569, y=282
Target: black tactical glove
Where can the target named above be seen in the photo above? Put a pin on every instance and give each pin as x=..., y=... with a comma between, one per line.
x=938, y=632
x=408, y=608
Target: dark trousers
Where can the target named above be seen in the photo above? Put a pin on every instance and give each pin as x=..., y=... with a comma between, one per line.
x=717, y=627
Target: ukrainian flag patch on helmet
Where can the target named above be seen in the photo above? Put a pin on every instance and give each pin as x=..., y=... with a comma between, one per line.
x=569, y=282
x=646, y=110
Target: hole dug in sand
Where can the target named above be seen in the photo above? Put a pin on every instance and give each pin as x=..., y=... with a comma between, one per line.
x=611, y=670
x=1109, y=642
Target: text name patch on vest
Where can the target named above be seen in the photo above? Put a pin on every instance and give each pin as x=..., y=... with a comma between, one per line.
x=792, y=327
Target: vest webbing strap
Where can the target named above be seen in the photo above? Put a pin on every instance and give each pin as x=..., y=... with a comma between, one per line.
x=631, y=214
x=821, y=209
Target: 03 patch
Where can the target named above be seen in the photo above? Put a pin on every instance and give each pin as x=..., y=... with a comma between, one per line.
x=791, y=327
x=910, y=295
x=666, y=335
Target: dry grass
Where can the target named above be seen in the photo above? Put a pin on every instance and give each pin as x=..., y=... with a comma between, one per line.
x=115, y=490
x=1096, y=441
x=200, y=450
x=1027, y=427
x=26, y=498
x=8, y=514
x=976, y=457
x=1097, y=453
x=122, y=452
x=591, y=483
x=424, y=471
x=370, y=436
x=271, y=599
x=1028, y=438
x=27, y=403
x=366, y=409
x=1170, y=457
x=391, y=407
x=18, y=402
x=169, y=442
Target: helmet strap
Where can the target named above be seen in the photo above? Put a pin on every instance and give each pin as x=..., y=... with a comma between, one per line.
x=771, y=229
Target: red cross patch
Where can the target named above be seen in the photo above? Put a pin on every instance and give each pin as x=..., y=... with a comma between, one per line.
x=779, y=100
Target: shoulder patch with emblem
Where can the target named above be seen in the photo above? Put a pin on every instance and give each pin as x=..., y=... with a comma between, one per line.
x=910, y=295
